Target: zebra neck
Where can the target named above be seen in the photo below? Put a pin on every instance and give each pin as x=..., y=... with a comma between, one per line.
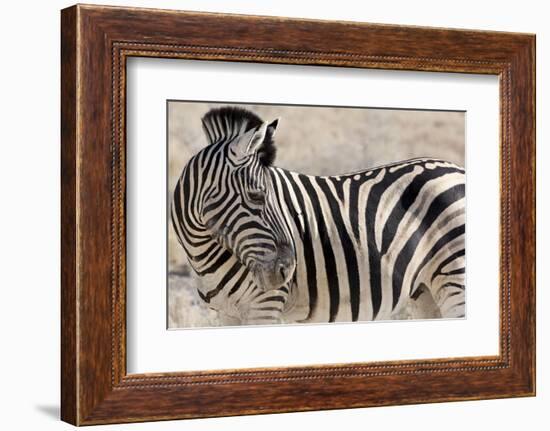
x=302, y=225
x=300, y=206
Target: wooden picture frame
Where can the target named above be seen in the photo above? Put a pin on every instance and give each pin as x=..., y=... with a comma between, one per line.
x=96, y=41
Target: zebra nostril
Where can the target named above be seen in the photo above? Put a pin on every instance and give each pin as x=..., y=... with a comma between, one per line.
x=282, y=271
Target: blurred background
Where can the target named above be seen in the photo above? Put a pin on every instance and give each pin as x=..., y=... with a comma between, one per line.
x=310, y=140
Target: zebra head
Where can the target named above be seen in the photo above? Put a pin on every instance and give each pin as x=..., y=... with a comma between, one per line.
x=238, y=204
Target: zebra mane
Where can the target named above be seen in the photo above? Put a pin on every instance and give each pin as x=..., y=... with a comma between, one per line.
x=223, y=124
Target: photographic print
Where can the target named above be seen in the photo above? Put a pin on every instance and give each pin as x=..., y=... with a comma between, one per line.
x=292, y=214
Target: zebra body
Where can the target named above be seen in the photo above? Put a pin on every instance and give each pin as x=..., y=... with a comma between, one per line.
x=330, y=248
x=366, y=242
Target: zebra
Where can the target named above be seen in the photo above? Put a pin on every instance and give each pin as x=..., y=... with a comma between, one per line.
x=275, y=246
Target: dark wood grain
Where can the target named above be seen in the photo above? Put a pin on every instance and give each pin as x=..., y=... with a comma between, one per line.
x=96, y=41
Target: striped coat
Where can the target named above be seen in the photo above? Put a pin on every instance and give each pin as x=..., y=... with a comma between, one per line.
x=272, y=245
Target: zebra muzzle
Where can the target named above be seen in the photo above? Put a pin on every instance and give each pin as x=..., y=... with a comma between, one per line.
x=276, y=272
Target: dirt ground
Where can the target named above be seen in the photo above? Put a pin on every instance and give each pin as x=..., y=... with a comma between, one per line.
x=310, y=140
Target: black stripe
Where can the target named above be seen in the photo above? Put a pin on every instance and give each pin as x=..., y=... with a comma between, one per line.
x=274, y=213
x=354, y=190
x=450, y=284
x=347, y=247
x=307, y=245
x=288, y=203
x=455, y=271
x=448, y=260
x=205, y=254
x=266, y=309
x=212, y=163
x=338, y=186
x=204, y=298
x=330, y=260
x=217, y=264
x=277, y=298
x=184, y=186
x=182, y=219
x=375, y=193
x=238, y=283
x=228, y=276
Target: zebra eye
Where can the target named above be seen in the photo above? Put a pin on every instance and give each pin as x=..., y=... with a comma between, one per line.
x=256, y=196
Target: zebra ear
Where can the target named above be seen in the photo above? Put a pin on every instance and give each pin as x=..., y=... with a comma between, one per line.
x=242, y=144
x=272, y=127
x=257, y=139
x=263, y=136
x=267, y=150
